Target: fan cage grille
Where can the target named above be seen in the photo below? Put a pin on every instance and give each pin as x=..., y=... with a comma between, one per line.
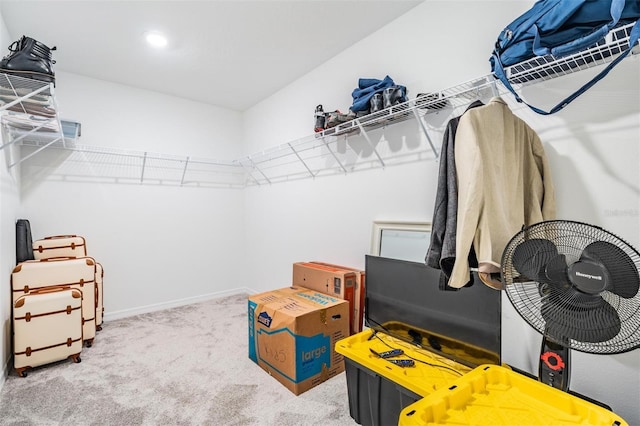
x=571, y=238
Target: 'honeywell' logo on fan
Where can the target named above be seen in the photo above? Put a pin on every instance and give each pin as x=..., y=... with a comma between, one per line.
x=591, y=277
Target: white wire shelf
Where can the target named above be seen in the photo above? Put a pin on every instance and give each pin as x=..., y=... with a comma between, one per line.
x=29, y=113
x=361, y=144
x=111, y=165
x=356, y=145
x=276, y=164
x=543, y=68
x=15, y=89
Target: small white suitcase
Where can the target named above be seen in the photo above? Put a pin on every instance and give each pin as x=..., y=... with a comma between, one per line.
x=99, y=295
x=47, y=327
x=59, y=246
x=64, y=272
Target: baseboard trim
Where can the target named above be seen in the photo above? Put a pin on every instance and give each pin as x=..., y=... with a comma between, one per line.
x=110, y=316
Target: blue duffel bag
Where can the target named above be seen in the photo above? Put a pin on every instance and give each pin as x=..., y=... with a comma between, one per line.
x=560, y=28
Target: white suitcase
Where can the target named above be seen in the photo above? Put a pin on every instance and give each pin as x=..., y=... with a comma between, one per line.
x=59, y=246
x=47, y=327
x=70, y=246
x=99, y=296
x=61, y=272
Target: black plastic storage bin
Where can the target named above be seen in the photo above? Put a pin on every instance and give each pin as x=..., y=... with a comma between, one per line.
x=373, y=399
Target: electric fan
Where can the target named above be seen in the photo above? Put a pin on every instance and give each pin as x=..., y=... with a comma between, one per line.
x=576, y=284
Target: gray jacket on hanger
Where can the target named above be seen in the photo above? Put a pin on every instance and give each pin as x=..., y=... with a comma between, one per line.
x=442, y=248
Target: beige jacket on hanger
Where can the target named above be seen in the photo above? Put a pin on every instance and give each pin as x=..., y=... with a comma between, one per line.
x=504, y=183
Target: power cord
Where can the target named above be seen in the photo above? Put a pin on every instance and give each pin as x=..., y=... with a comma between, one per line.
x=419, y=360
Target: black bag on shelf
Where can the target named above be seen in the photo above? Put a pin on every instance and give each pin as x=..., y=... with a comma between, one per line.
x=29, y=58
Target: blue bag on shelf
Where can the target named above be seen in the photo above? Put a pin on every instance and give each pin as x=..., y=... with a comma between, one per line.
x=560, y=28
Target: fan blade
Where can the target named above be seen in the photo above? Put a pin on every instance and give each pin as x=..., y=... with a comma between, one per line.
x=531, y=256
x=555, y=271
x=623, y=273
x=570, y=314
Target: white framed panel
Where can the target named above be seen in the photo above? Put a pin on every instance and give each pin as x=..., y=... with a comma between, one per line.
x=401, y=240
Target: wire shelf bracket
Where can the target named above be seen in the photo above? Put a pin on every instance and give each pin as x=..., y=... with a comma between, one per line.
x=301, y=160
x=368, y=139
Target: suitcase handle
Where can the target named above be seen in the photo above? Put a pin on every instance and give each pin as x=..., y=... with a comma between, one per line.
x=56, y=258
x=59, y=236
x=74, y=292
x=89, y=260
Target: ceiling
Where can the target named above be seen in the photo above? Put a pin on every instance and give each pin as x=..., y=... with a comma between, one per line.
x=232, y=54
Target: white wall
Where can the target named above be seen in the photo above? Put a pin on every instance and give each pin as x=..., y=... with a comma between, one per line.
x=592, y=146
x=9, y=206
x=160, y=245
x=125, y=117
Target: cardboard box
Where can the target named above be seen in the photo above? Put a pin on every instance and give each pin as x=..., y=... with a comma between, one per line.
x=330, y=280
x=359, y=293
x=292, y=335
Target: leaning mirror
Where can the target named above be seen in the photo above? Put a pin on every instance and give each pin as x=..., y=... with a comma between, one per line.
x=401, y=240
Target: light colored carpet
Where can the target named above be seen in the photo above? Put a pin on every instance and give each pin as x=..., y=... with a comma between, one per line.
x=181, y=366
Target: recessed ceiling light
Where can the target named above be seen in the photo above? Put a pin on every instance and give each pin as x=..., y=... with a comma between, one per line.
x=156, y=39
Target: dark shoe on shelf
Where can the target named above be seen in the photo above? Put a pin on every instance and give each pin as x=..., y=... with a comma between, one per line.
x=336, y=117
x=320, y=119
x=393, y=95
x=376, y=103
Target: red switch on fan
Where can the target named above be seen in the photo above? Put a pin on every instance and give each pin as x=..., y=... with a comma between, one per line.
x=556, y=365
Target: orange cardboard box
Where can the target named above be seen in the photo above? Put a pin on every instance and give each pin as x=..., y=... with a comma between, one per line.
x=359, y=293
x=336, y=281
